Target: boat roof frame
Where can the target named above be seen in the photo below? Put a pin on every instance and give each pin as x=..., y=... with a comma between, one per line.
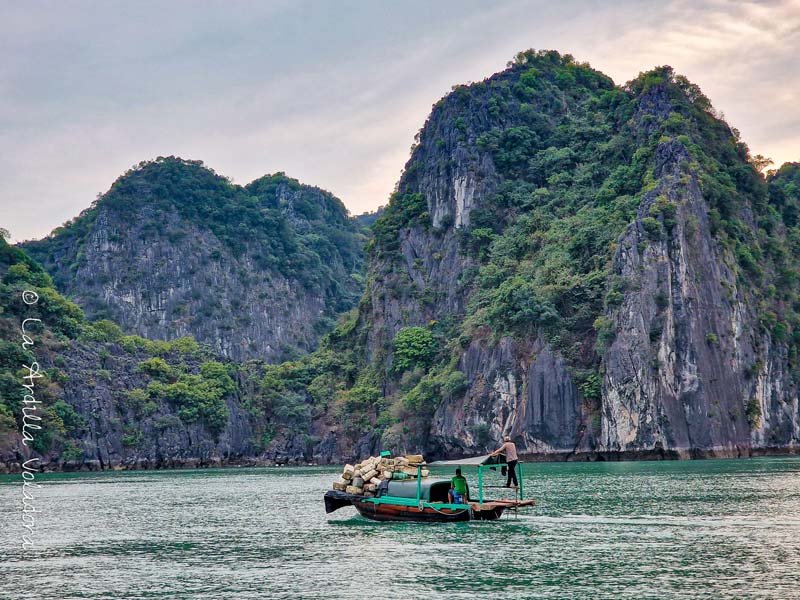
x=486, y=460
x=482, y=463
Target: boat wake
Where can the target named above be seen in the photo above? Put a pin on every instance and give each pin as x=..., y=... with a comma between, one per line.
x=715, y=522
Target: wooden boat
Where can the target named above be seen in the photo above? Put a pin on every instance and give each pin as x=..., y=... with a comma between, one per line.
x=426, y=500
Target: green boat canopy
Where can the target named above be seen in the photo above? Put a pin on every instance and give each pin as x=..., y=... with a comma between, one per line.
x=431, y=490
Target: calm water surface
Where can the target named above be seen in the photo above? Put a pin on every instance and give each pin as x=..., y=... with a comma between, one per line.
x=704, y=529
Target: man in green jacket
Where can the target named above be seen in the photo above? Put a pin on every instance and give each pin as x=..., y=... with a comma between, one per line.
x=459, y=490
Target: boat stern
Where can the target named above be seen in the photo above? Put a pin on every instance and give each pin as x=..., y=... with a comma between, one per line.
x=334, y=500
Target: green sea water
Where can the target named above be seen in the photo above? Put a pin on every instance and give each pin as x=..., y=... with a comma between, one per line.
x=702, y=529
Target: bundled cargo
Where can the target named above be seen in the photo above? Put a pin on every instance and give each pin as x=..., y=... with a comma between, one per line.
x=364, y=478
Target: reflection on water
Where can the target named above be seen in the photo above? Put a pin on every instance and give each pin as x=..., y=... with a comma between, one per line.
x=705, y=529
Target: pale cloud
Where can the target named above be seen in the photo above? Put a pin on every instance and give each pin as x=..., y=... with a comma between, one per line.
x=743, y=55
x=331, y=93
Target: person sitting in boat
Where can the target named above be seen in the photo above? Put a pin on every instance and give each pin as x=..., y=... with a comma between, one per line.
x=510, y=450
x=459, y=490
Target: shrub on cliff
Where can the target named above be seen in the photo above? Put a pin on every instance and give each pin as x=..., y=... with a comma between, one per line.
x=156, y=367
x=413, y=347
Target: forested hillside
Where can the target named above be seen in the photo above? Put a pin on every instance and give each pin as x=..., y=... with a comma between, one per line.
x=173, y=249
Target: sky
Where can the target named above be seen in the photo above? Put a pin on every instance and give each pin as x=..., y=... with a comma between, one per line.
x=331, y=93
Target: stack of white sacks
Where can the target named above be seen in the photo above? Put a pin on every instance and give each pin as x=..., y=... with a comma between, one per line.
x=364, y=478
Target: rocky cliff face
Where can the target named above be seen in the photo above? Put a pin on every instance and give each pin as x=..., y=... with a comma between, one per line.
x=674, y=374
x=604, y=273
x=695, y=366
x=175, y=250
x=87, y=404
x=519, y=389
x=108, y=427
x=99, y=399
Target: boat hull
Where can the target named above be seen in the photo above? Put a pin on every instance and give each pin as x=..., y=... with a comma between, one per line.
x=395, y=512
x=385, y=509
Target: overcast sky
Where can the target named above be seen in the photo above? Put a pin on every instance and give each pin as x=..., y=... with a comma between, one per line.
x=332, y=93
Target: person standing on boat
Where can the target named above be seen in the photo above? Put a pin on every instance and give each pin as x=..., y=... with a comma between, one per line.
x=459, y=490
x=510, y=450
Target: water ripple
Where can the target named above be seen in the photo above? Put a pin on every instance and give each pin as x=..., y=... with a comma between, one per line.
x=705, y=529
